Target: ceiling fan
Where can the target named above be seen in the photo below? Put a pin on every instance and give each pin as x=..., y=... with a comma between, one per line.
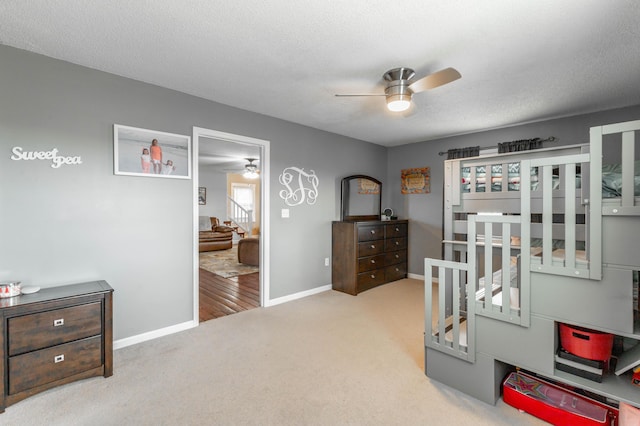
x=251, y=170
x=400, y=85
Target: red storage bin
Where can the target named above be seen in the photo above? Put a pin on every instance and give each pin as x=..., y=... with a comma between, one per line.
x=556, y=405
x=586, y=343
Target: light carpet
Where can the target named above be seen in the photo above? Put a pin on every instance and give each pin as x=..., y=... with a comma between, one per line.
x=327, y=359
x=225, y=263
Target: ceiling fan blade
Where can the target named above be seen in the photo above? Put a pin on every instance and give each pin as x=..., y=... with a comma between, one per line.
x=364, y=94
x=434, y=80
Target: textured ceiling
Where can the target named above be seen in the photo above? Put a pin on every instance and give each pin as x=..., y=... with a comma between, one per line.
x=521, y=61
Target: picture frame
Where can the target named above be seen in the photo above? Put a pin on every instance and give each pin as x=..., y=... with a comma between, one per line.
x=202, y=195
x=415, y=181
x=133, y=154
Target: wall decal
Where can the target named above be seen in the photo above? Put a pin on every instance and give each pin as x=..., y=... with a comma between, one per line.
x=56, y=160
x=300, y=186
x=142, y=152
x=415, y=181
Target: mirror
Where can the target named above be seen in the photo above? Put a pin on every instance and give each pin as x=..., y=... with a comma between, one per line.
x=361, y=198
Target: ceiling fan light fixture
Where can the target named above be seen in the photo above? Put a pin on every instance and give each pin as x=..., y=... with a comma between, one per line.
x=398, y=103
x=250, y=174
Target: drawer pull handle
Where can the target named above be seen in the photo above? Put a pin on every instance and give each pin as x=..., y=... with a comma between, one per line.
x=397, y=243
x=373, y=231
x=58, y=322
x=373, y=261
x=397, y=256
x=397, y=229
x=58, y=358
x=373, y=276
x=373, y=246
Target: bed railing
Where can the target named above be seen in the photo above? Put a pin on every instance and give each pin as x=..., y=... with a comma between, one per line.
x=504, y=300
x=452, y=334
x=568, y=260
x=627, y=204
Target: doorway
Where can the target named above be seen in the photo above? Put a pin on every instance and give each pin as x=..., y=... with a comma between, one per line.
x=214, y=147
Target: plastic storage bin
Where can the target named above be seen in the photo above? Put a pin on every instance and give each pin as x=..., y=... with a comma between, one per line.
x=586, y=343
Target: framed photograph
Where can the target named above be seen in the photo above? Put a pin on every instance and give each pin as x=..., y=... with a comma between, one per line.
x=202, y=195
x=142, y=152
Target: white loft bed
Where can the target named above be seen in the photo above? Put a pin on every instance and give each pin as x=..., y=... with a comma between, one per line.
x=546, y=219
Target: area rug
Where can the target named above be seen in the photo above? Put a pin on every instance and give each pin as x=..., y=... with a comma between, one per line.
x=225, y=263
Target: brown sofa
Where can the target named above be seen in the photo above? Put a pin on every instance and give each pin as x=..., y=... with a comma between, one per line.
x=249, y=251
x=218, y=238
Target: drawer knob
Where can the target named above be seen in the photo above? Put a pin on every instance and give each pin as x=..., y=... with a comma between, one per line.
x=373, y=276
x=373, y=246
x=397, y=229
x=397, y=243
x=373, y=231
x=58, y=322
x=58, y=358
x=373, y=261
x=397, y=256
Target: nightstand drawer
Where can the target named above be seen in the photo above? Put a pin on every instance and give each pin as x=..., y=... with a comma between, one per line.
x=36, y=331
x=48, y=365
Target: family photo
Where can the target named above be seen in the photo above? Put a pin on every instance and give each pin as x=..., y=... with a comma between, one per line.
x=141, y=152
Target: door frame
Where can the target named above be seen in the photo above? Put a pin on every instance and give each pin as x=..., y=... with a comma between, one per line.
x=199, y=132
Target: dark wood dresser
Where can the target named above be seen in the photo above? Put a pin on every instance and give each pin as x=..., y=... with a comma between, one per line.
x=368, y=253
x=53, y=337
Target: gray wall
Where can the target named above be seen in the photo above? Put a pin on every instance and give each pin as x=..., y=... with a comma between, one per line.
x=425, y=211
x=215, y=183
x=82, y=222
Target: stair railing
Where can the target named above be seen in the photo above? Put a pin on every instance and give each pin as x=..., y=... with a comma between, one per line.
x=239, y=216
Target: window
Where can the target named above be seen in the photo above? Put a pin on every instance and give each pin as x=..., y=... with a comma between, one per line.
x=244, y=195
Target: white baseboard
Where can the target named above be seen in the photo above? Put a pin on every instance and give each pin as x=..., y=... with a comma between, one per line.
x=420, y=277
x=300, y=295
x=128, y=341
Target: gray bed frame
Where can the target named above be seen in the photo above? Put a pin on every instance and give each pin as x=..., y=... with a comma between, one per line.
x=557, y=253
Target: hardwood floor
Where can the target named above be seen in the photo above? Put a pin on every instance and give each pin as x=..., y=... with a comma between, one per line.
x=225, y=296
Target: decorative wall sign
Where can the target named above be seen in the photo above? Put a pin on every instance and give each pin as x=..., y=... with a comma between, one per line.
x=415, y=181
x=300, y=186
x=18, y=153
x=366, y=186
x=142, y=152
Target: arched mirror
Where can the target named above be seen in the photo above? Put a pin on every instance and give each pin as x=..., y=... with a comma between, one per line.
x=361, y=198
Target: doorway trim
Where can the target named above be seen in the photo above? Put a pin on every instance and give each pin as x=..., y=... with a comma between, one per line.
x=265, y=159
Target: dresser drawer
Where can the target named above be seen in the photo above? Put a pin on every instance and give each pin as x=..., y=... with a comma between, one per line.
x=371, y=262
x=369, y=248
x=36, y=331
x=395, y=272
x=393, y=244
x=395, y=230
x=395, y=257
x=370, y=233
x=48, y=365
x=370, y=279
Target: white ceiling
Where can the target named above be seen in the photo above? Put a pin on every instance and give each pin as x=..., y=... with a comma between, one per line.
x=521, y=60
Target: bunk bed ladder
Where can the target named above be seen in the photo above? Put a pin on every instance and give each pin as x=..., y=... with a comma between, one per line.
x=453, y=334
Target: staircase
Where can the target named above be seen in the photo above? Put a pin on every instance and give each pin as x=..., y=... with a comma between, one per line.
x=235, y=228
x=240, y=219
